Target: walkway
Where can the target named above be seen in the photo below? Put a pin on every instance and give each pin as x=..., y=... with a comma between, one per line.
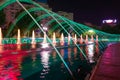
x=108, y=67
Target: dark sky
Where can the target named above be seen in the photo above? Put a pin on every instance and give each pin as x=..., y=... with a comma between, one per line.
x=42, y=1
x=93, y=11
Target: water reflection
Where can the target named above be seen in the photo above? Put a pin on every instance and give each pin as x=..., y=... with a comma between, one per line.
x=62, y=52
x=54, y=55
x=75, y=52
x=90, y=50
x=10, y=67
x=81, y=55
x=69, y=56
x=19, y=47
x=45, y=62
x=1, y=49
x=33, y=46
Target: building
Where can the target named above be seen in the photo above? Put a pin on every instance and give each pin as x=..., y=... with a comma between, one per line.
x=12, y=10
x=66, y=14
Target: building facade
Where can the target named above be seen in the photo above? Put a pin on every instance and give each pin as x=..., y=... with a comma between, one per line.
x=66, y=14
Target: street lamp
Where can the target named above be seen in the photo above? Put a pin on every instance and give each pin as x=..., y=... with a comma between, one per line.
x=91, y=31
x=44, y=27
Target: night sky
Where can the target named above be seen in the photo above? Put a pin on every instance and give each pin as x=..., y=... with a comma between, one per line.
x=44, y=1
x=93, y=11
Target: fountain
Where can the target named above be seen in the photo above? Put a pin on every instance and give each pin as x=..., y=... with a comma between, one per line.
x=0, y=36
x=96, y=39
x=69, y=39
x=44, y=44
x=62, y=39
x=54, y=39
x=33, y=38
x=81, y=39
x=18, y=37
x=92, y=39
x=44, y=39
x=75, y=39
x=86, y=40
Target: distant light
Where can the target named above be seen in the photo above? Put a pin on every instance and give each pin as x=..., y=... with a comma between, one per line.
x=45, y=28
x=110, y=21
x=91, y=31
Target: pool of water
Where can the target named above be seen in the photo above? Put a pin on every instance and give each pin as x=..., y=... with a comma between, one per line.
x=30, y=62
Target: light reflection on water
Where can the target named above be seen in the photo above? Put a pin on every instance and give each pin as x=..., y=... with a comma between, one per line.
x=41, y=65
x=45, y=62
x=90, y=49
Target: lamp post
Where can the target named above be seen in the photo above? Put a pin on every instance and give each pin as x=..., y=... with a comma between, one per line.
x=44, y=28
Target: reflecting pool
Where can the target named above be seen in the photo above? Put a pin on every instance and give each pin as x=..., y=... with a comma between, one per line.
x=30, y=62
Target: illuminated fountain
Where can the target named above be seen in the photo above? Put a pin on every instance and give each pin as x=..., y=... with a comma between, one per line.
x=44, y=39
x=18, y=37
x=44, y=44
x=0, y=36
x=86, y=40
x=33, y=38
x=92, y=38
x=75, y=39
x=69, y=38
x=45, y=55
x=97, y=39
x=54, y=39
x=62, y=39
x=81, y=39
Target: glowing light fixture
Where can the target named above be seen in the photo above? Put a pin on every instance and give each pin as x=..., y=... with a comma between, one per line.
x=110, y=21
x=91, y=31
